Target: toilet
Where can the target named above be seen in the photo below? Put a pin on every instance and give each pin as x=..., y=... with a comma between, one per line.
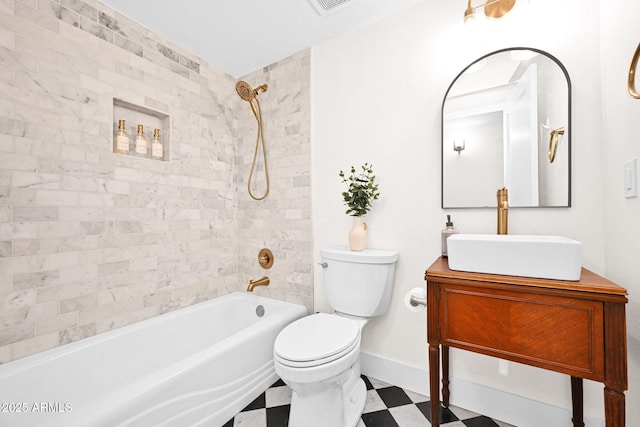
x=318, y=356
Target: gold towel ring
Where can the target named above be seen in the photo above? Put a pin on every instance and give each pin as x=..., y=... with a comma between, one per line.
x=632, y=74
x=553, y=143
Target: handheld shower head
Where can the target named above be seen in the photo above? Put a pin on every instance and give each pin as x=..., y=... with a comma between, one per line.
x=247, y=93
x=250, y=95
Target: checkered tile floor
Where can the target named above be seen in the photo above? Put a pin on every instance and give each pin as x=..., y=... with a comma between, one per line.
x=387, y=406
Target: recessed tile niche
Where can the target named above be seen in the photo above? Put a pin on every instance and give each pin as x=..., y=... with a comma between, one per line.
x=150, y=119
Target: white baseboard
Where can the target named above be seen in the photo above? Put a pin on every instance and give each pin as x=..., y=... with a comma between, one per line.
x=392, y=372
x=510, y=408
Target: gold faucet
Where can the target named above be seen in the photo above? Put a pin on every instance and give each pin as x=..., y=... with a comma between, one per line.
x=503, y=211
x=263, y=281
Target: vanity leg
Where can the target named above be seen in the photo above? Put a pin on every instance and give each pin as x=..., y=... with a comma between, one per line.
x=614, y=402
x=615, y=377
x=434, y=380
x=577, y=400
x=445, y=376
x=614, y=408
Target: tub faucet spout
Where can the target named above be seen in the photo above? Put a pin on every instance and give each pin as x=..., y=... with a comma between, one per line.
x=263, y=281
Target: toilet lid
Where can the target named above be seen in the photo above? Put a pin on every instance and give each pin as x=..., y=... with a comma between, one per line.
x=316, y=339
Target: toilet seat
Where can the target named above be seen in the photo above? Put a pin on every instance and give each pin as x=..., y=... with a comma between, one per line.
x=315, y=340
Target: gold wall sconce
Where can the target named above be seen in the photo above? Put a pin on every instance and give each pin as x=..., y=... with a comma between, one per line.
x=494, y=9
x=458, y=147
x=553, y=143
x=632, y=74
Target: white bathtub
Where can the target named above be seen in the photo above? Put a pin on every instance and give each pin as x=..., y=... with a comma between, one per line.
x=193, y=367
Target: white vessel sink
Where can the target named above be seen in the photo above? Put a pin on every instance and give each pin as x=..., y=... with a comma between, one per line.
x=544, y=257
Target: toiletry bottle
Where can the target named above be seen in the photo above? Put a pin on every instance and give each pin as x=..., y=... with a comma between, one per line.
x=122, y=139
x=446, y=232
x=141, y=142
x=156, y=145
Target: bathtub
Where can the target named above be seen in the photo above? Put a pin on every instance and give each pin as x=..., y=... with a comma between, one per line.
x=193, y=367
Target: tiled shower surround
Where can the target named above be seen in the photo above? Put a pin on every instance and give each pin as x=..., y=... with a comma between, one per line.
x=91, y=240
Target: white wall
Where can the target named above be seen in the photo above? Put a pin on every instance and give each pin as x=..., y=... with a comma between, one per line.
x=376, y=97
x=620, y=37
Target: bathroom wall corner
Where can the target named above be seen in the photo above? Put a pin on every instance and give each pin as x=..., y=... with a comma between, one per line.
x=282, y=221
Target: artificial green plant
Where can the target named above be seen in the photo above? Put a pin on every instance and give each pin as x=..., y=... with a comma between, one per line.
x=362, y=190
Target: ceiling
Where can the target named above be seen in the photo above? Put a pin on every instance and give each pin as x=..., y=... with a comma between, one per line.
x=241, y=36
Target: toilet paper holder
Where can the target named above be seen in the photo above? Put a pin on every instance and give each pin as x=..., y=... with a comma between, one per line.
x=416, y=301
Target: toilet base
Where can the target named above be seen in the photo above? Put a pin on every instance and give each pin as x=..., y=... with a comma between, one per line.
x=354, y=404
x=339, y=406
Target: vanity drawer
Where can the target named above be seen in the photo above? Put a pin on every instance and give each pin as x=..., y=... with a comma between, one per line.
x=552, y=332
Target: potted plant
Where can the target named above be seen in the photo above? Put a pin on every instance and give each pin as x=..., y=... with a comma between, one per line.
x=362, y=190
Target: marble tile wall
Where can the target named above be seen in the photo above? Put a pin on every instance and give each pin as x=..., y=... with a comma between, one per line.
x=91, y=240
x=282, y=221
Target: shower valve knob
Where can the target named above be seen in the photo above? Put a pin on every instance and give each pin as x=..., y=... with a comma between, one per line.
x=323, y=264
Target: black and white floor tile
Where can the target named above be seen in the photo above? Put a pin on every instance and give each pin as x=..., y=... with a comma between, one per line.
x=387, y=406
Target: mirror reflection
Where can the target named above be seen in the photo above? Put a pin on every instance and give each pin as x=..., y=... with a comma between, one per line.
x=506, y=123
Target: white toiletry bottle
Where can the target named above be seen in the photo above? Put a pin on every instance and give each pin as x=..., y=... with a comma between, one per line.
x=446, y=232
x=122, y=138
x=156, y=145
x=141, y=142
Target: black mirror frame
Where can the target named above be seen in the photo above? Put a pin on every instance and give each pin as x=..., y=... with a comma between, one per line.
x=568, y=127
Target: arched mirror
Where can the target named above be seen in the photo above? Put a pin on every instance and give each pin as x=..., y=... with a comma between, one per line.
x=506, y=122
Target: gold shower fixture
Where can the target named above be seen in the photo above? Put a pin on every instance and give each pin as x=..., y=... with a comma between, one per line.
x=247, y=93
x=265, y=258
x=494, y=9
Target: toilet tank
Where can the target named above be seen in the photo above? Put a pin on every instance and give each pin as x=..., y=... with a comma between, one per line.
x=359, y=283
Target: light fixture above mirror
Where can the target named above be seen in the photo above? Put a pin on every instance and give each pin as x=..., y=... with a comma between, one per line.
x=494, y=9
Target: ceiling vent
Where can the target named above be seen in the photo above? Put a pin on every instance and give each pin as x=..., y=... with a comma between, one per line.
x=324, y=6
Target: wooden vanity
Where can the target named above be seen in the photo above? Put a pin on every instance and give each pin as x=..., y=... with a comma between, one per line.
x=575, y=328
